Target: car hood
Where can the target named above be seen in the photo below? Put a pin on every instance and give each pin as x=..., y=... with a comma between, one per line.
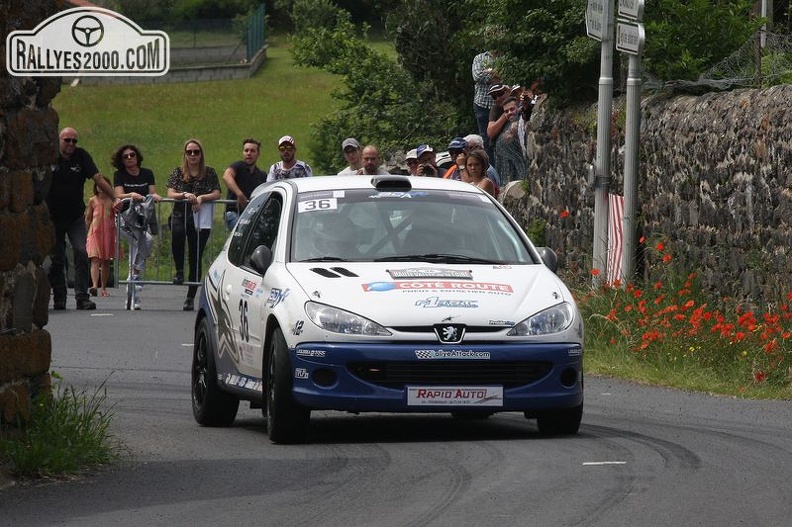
x=412, y=294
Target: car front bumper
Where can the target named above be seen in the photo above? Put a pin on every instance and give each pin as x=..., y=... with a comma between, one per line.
x=409, y=377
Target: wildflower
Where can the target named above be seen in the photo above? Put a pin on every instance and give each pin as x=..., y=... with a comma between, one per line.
x=660, y=246
x=564, y=213
x=595, y=272
x=759, y=376
x=666, y=258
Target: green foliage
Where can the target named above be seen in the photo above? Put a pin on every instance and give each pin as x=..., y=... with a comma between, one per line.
x=381, y=101
x=686, y=37
x=537, y=232
x=67, y=432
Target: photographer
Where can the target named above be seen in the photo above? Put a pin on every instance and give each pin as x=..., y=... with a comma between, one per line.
x=427, y=165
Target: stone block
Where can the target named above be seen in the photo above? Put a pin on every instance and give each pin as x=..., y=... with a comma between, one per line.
x=25, y=355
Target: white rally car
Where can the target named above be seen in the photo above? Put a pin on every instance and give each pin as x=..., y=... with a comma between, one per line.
x=384, y=294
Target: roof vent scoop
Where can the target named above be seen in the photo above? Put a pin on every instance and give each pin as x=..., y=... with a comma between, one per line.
x=392, y=183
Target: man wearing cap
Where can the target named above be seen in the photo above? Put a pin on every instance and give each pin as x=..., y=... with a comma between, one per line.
x=457, y=146
x=351, y=150
x=427, y=164
x=289, y=166
x=241, y=178
x=411, y=158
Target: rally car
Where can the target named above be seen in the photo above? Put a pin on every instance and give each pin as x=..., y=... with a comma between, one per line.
x=384, y=294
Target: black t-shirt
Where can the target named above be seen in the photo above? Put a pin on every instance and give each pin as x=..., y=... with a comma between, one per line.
x=246, y=180
x=65, y=197
x=139, y=183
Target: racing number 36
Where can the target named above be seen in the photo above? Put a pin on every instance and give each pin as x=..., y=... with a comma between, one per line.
x=244, y=325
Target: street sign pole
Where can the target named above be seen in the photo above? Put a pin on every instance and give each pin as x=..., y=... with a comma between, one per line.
x=630, y=39
x=602, y=163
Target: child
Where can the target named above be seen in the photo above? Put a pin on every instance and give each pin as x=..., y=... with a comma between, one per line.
x=101, y=244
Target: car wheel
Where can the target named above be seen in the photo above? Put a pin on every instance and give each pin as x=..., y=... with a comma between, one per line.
x=287, y=421
x=211, y=405
x=560, y=422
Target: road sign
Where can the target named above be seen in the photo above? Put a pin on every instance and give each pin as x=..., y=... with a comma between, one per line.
x=630, y=37
x=596, y=25
x=631, y=9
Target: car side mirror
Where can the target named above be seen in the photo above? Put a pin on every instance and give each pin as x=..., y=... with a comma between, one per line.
x=261, y=259
x=549, y=258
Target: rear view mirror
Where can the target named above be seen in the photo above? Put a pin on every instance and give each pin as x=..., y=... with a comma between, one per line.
x=261, y=259
x=549, y=258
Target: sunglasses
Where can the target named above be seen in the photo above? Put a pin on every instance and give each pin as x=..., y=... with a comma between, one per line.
x=283, y=148
x=70, y=140
x=192, y=152
x=130, y=155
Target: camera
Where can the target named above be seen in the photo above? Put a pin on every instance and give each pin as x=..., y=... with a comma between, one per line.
x=427, y=170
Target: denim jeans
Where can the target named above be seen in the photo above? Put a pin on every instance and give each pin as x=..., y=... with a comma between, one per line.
x=482, y=120
x=231, y=218
x=78, y=235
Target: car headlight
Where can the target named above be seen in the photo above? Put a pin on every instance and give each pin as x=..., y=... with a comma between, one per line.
x=339, y=321
x=551, y=320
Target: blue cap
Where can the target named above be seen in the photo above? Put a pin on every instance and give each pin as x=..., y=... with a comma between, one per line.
x=423, y=148
x=458, y=143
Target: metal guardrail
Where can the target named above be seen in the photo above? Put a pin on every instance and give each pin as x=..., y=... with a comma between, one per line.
x=160, y=268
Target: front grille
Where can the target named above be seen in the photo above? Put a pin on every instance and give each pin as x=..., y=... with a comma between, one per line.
x=396, y=374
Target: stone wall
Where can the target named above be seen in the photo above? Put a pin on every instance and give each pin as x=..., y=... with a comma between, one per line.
x=714, y=186
x=28, y=147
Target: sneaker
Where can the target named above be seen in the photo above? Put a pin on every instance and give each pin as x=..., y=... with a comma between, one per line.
x=85, y=305
x=178, y=279
x=137, y=306
x=188, y=305
x=59, y=305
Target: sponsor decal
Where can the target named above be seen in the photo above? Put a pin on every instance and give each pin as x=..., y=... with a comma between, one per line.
x=502, y=266
x=249, y=286
x=300, y=373
x=421, y=272
x=475, y=287
x=298, y=327
x=310, y=353
x=436, y=301
x=501, y=323
x=276, y=296
x=87, y=41
x=455, y=395
x=398, y=195
x=452, y=354
x=240, y=381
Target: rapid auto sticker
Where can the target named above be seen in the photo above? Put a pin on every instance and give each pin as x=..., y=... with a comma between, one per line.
x=249, y=286
x=455, y=395
x=428, y=272
x=414, y=286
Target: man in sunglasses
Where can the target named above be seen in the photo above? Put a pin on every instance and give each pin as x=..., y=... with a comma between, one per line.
x=67, y=210
x=289, y=166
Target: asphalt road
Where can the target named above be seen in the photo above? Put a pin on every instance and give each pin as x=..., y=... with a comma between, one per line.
x=644, y=456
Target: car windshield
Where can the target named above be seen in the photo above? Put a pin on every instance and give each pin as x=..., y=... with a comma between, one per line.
x=419, y=225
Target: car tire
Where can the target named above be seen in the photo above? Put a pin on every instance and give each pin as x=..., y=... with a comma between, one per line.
x=211, y=405
x=564, y=421
x=287, y=421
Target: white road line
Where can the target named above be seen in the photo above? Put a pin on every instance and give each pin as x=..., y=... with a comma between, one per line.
x=601, y=463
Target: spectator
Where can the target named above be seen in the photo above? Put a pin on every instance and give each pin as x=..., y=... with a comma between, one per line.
x=241, y=179
x=67, y=208
x=477, y=162
x=458, y=146
x=196, y=185
x=510, y=160
x=133, y=182
x=372, y=162
x=412, y=162
x=475, y=141
x=289, y=166
x=497, y=120
x=101, y=241
x=427, y=163
x=483, y=77
x=351, y=149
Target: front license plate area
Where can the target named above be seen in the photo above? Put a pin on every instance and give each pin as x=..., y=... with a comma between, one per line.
x=455, y=396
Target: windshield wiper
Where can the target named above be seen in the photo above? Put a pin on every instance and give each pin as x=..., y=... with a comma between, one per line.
x=324, y=259
x=436, y=257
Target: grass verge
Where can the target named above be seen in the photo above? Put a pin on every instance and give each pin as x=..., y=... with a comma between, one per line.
x=67, y=432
